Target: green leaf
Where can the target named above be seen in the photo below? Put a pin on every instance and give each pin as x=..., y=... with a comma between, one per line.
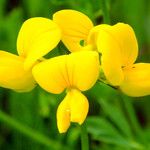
x=29, y=132
x=107, y=98
x=102, y=130
x=116, y=116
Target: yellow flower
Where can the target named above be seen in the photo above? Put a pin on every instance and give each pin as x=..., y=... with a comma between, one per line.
x=36, y=38
x=119, y=49
x=75, y=72
x=117, y=45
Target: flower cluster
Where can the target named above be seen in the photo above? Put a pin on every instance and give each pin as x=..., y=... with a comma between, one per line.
x=78, y=71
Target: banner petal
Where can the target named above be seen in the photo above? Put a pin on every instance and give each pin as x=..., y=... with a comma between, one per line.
x=36, y=38
x=75, y=27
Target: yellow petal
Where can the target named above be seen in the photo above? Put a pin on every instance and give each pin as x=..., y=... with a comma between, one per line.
x=63, y=115
x=78, y=70
x=73, y=108
x=111, y=56
x=75, y=27
x=127, y=41
x=79, y=106
x=13, y=75
x=125, y=37
x=36, y=38
x=93, y=35
x=137, y=80
x=51, y=74
x=83, y=69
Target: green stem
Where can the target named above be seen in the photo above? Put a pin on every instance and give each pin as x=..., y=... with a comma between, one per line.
x=84, y=138
x=105, y=12
x=29, y=132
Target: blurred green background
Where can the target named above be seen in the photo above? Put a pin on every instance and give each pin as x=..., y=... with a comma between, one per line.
x=115, y=121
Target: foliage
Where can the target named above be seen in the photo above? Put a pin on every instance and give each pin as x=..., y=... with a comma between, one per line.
x=115, y=121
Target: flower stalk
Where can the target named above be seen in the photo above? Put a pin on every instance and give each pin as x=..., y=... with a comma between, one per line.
x=84, y=138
